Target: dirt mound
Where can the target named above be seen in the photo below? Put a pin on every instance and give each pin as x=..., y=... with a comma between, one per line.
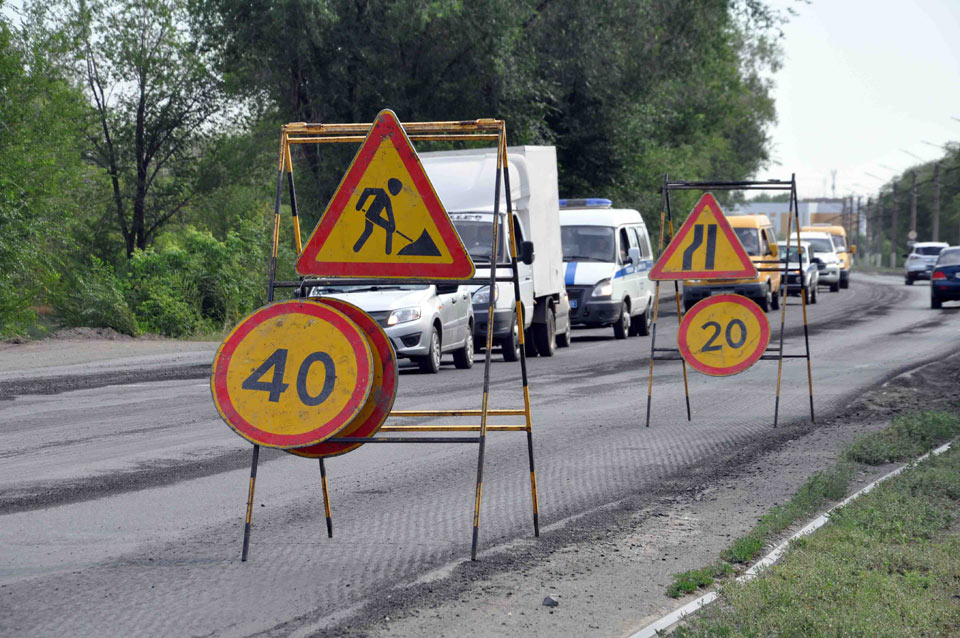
x=91, y=333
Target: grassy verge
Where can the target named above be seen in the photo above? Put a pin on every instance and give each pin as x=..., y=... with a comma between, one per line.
x=888, y=564
x=908, y=437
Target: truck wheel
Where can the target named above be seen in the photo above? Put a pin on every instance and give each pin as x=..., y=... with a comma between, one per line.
x=430, y=363
x=463, y=358
x=545, y=335
x=640, y=326
x=766, y=300
x=563, y=341
x=835, y=287
x=510, y=345
x=844, y=281
x=775, y=298
x=622, y=327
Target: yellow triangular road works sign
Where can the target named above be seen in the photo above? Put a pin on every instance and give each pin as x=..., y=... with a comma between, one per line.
x=705, y=247
x=385, y=220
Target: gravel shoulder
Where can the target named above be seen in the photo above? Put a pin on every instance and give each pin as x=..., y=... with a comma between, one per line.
x=608, y=569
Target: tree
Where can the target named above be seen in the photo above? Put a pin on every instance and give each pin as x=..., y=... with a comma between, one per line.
x=148, y=75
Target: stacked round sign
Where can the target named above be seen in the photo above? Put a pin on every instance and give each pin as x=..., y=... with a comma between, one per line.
x=296, y=373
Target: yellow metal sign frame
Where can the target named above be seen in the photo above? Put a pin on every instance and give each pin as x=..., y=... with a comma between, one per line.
x=771, y=352
x=489, y=130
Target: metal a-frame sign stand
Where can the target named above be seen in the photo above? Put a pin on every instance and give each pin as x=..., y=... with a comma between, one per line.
x=460, y=131
x=772, y=352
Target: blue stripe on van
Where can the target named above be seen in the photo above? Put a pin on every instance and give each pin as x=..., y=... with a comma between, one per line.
x=571, y=274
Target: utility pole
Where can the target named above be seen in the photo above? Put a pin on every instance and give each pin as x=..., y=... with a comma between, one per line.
x=833, y=183
x=893, y=228
x=936, y=202
x=857, y=233
x=913, y=205
x=880, y=228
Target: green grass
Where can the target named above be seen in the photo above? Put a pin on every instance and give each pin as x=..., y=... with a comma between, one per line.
x=908, y=437
x=888, y=564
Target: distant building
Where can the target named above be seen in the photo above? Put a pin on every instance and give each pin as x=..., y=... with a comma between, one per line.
x=811, y=211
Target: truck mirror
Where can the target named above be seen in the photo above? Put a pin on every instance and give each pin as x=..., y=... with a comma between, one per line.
x=635, y=256
x=526, y=252
x=853, y=249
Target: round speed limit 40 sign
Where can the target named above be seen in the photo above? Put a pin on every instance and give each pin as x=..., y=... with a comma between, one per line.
x=723, y=335
x=292, y=374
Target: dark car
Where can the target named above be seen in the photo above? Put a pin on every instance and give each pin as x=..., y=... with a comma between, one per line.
x=945, y=278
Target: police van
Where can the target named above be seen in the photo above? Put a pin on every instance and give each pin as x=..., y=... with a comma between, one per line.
x=606, y=263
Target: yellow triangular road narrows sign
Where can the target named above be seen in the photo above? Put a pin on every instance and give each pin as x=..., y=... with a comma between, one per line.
x=705, y=247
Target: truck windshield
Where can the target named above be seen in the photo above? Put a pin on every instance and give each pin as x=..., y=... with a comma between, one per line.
x=477, y=238
x=588, y=243
x=750, y=240
x=839, y=242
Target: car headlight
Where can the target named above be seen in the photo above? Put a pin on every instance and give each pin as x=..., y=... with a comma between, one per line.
x=482, y=295
x=603, y=289
x=402, y=315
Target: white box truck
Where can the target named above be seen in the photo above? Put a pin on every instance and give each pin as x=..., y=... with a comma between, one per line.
x=464, y=181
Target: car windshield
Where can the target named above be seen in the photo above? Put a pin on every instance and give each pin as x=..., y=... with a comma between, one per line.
x=319, y=291
x=794, y=251
x=840, y=242
x=927, y=250
x=475, y=233
x=819, y=245
x=587, y=243
x=949, y=258
x=750, y=240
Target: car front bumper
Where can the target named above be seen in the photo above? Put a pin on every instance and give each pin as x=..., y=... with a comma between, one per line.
x=755, y=291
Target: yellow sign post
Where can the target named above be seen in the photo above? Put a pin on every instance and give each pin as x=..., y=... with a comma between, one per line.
x=723, y=334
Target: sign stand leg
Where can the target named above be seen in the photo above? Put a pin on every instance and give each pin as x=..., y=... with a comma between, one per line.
x=686, y=385
x=253, y=484
x=806, y=332
x=653, y=341
x=783, y=308
x=326, y=498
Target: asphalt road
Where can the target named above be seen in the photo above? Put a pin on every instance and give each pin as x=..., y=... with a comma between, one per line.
x=122, y=505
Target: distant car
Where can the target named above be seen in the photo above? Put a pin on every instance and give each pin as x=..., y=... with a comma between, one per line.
x=921, y=259
x=424, y=322
x=811, y=273
x=824, y=254
x=945, y=277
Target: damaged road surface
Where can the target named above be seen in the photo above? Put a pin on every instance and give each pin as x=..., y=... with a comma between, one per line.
x=123, y=504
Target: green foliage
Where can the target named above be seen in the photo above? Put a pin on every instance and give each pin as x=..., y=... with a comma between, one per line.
x=908, y=437
x=193, y=282
x=93, y=296
x=888, y=564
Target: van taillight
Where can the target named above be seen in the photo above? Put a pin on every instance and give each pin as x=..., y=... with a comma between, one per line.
x=939, y=274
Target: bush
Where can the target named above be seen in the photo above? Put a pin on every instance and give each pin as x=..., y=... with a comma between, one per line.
x=93, y=297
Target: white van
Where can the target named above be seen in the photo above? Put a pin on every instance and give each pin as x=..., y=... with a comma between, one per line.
x=607, y=260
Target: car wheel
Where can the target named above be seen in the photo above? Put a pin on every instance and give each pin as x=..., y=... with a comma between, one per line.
x=908, y=280
x=430, y=363
x=463, y=358
x=835, y=287
x=641, y=327
x=687, y=305
x=814, y=293
x=935, y=302
x=622, y=328
x=510, y=345
x=545, y=335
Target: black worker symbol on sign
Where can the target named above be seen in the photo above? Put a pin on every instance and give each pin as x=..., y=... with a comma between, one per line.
x=380, y=213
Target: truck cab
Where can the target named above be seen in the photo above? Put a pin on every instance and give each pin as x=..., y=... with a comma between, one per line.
x=464, y=182
x=839, y=236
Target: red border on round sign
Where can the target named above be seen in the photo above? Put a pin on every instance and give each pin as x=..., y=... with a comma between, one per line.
x=702, y=305
x=381, y=347
x=221, y=395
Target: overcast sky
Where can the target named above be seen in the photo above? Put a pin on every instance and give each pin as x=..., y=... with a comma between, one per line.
x=862, y=82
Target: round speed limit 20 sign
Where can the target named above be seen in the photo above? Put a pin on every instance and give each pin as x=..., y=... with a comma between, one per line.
x=723, y=335
x=292, y=374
